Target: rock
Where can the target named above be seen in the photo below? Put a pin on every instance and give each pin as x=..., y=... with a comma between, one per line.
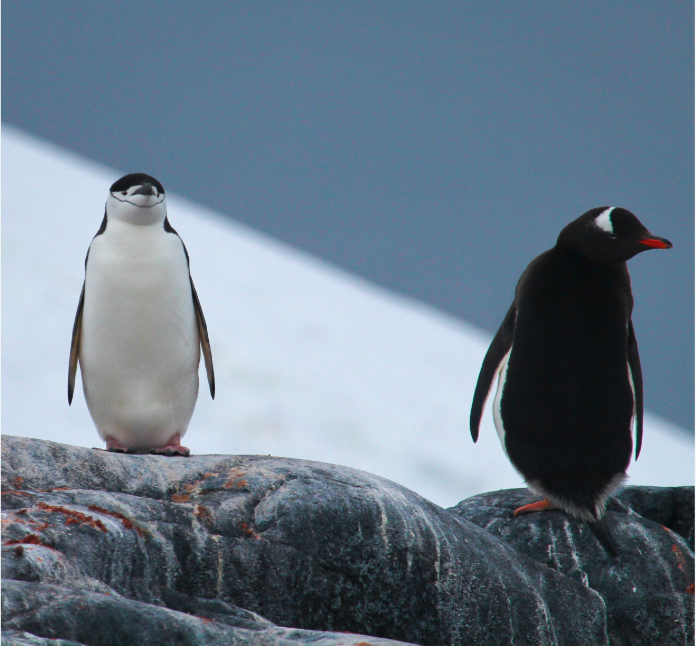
x=21, y=638
x=88, y=618
x=648, y=591
x=672, y=507
x=102, y=548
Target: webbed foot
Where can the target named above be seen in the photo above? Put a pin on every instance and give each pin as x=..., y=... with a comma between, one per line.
x=114, y=446
x=173, y=447
x=541, y=505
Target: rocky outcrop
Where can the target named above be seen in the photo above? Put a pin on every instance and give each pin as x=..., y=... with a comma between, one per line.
x=100, y=548
x=648, y=590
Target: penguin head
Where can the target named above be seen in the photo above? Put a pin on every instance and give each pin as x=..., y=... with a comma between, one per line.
x=137, y=199
x=609, y=235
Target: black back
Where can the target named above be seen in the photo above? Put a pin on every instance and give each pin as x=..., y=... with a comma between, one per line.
x=573, y=382
x=567, y=403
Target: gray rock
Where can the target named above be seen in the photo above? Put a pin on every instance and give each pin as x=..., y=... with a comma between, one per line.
x=91, y=619
x=20, y=638
x=648, y=591
x=143, y=540
x=671, y=507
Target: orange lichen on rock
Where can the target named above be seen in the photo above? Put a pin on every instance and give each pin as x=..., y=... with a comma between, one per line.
x=690, y=589
x=178, y=497
x=29, y=539
x=234, y=480
x=84, y=518
x=24, y=521
x=18, y=492
x=680, y=557
x=249, y=531
x=203, y=513
x=127, y=522
x=195, y=487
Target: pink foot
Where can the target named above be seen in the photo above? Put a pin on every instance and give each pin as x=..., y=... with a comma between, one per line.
x=173, y=447
x=116, y=447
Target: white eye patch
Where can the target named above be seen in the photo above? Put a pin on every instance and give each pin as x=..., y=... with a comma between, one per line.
x=603, y=220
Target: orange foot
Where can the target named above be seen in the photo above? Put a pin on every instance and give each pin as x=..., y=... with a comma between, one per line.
x=116, y=447
x=173, y=447
x=542, y=505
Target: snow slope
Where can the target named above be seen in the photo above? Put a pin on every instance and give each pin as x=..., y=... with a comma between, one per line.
x=311, y=362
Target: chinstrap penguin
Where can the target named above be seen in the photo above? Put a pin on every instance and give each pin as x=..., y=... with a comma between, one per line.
x=570, y=386
x=139, y=327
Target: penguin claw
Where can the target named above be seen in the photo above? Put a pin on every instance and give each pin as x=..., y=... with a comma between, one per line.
x=118, y=448
x=170, y=451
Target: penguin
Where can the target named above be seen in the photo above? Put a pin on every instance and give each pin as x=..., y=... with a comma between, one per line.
x=139, y=327
x=570, y=387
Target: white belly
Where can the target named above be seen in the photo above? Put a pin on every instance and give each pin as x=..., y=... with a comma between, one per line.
x=497, y=415
x=139, y=349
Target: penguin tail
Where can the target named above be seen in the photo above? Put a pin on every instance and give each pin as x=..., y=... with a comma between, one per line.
x=600, y=529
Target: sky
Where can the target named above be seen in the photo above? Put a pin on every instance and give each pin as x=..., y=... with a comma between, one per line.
x=431, y=148
x=311, y=361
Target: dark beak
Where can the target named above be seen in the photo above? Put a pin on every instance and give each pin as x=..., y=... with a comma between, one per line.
x=656, y=243
x=145, y=189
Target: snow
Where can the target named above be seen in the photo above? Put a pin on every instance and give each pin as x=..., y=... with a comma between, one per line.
x=311, y=362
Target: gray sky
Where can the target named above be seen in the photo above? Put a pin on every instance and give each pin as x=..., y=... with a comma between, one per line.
x=432, y=147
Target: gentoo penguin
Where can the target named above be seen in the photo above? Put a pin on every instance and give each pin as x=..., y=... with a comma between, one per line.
x=139, y=327
x=570, y=382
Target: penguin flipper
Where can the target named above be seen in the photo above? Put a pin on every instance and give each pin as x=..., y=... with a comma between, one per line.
x=637, y=377
x=500, y=346
x=205, y=341
x=600, y=529
x=75, y=346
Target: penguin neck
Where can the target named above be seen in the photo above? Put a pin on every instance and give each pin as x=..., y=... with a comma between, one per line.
x=613, y=273
x=591, y=265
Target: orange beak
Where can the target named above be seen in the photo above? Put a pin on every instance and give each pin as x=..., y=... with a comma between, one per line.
x=656, y=243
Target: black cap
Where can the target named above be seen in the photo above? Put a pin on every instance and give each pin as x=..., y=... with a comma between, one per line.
x=135, y=179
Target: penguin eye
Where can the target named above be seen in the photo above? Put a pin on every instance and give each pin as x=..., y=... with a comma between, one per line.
x=124, y=192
